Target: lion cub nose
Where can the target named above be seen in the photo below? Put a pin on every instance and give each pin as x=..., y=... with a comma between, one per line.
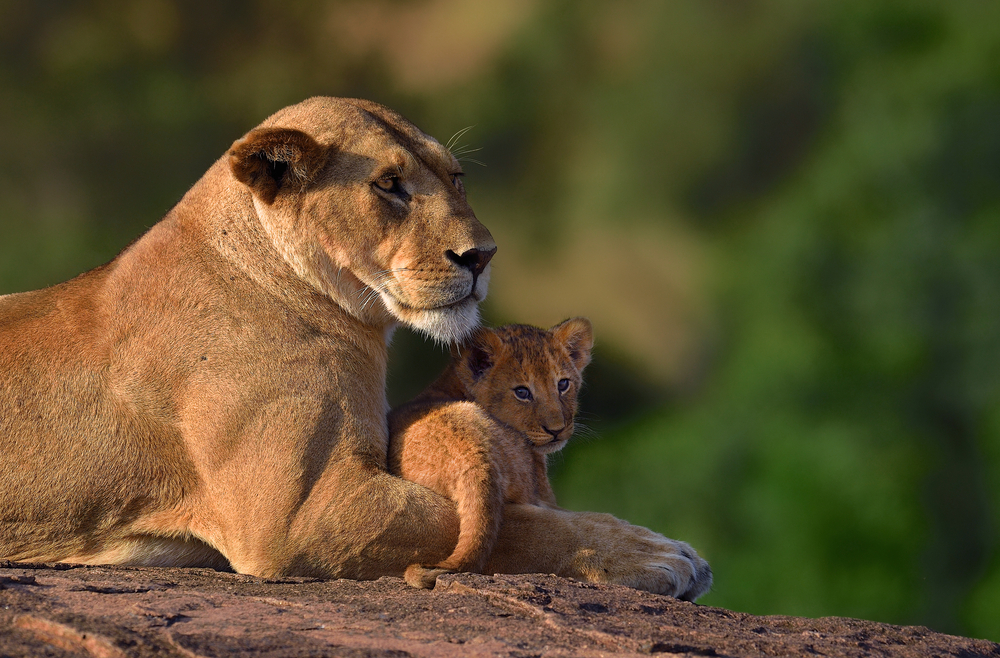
x=555, y=433
x=474, y=260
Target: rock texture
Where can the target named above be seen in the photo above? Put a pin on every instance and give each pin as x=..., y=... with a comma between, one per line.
x=113, y=612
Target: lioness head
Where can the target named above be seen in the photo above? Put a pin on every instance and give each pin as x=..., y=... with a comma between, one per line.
x=370, y=211
x=528, y=378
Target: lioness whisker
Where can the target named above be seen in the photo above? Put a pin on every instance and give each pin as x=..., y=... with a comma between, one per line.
x=457, y=136
x=382, y=277
x=369, y=302
x=380, y=282
x=372, y=295
x=368, y=294
x=465, y=150
x=473, y=161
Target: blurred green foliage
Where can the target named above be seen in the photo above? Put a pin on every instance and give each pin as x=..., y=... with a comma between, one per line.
x=841, y=457
x=830, y=439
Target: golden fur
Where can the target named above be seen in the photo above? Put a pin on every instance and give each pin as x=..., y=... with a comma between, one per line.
x=215, y=394
x=527, y=379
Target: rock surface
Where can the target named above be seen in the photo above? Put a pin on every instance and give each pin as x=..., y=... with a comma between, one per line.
x=112, y=612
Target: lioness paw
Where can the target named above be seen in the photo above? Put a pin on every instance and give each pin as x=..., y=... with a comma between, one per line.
x=626, y=554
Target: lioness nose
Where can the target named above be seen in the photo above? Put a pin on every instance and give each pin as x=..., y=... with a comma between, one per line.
x=473, y=259
x=554, y=433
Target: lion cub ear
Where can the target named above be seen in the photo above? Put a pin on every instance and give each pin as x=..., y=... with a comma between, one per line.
x=269, y=159
x=576, y=335
x=481, y=351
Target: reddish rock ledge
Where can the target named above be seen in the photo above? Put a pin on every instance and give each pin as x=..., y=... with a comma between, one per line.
x=113, y=612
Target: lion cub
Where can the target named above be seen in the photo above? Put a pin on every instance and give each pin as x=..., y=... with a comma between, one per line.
x=480, y=433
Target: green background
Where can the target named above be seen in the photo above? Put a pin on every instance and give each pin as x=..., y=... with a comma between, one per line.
x=783, y=218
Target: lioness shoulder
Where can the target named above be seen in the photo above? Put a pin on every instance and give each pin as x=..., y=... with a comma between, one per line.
x=480, y=434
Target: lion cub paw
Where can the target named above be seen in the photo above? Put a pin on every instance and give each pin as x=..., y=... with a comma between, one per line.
x=422, y=577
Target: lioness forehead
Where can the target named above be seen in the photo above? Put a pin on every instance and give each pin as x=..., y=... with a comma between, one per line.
x=364, y=127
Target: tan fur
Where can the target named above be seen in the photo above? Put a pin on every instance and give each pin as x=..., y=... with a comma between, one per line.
x=526, y=380
x=215, y=394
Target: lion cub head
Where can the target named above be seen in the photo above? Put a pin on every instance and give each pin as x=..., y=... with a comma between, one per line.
x=370, y=211
x=528, y=378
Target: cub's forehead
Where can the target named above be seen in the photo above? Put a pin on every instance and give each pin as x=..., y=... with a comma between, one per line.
x=533, y=350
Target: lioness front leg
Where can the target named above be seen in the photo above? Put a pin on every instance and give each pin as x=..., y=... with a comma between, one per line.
x=387, y=524
x=597, y=548
x=376, y=526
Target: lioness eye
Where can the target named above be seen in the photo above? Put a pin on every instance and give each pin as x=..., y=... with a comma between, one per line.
x=388, y=184
x=563, y=385
x=522, y=393
x=456, y=180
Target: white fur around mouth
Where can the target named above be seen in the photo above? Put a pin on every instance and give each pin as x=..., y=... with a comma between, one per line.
x=440, y=307
x=449, y=323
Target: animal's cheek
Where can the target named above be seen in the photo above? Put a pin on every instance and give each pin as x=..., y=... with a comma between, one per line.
x=323, y=218
x=409, y=248
x=393, y=252
x=568, y=410
x=367, y=217
x=514, y=415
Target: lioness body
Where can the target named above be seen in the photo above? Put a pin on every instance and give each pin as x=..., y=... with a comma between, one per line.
x=521, y=384
x=216, y=393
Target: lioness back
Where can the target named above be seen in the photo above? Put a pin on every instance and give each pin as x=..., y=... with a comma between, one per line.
x=481, y=432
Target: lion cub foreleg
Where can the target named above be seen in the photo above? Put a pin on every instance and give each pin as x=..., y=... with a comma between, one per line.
x=448, y=449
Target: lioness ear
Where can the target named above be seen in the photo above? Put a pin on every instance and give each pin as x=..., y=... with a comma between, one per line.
x=577, y=336
x=269, y=159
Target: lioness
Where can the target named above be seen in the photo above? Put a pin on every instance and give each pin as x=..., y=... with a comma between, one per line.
x=527, y=380
x=215, y=394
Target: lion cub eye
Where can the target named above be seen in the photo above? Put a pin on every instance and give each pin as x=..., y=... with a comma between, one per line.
x=563, y=385
x=522, y=393
x=456, y=180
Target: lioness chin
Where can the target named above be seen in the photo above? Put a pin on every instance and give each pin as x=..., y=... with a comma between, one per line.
x=215, y=394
